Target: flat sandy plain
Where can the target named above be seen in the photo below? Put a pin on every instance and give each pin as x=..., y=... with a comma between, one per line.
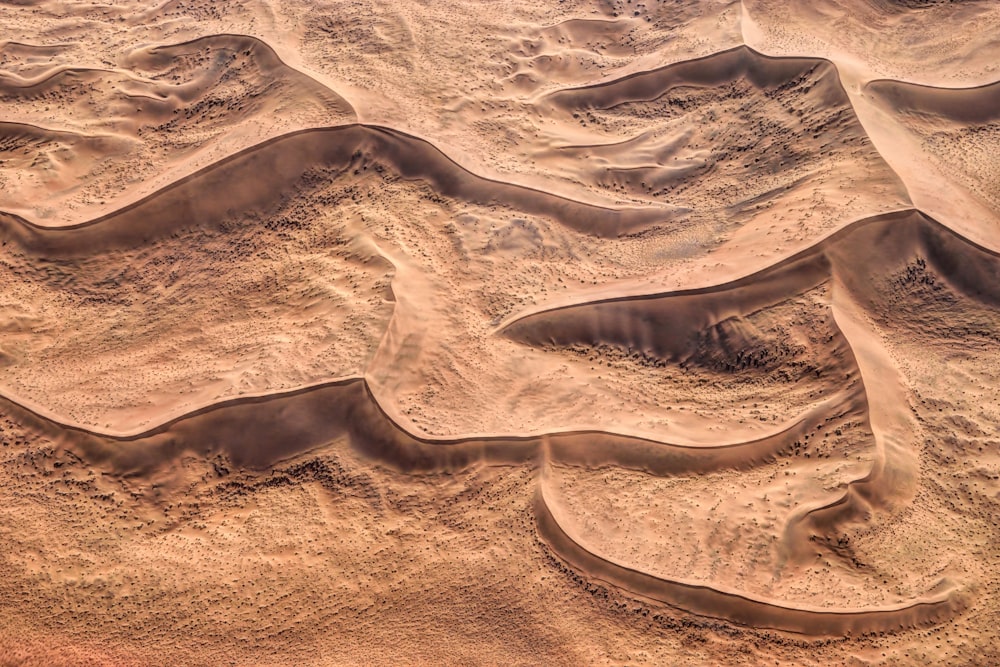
x=453, y=332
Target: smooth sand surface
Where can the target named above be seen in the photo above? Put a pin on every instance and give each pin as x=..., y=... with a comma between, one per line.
x=579, y=332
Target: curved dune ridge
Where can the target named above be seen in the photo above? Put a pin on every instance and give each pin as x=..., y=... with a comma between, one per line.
x=978, y=104
x=257, y=178
x=752, y=294
x=166, y=110
x=666, y=326
x=709, y=71
x=657, y=326
x=958, y=129
x=284, y=425
x=265, y=58
x=733, y=606
x=260, y=431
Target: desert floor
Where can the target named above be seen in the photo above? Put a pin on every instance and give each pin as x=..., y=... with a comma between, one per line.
x=463, y=332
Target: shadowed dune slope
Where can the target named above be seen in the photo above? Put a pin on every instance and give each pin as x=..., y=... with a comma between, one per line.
x=164, y=110
x=666, y=325
x=732, y=606
x=877, y=265
x=762, y=71
x=168, y=78
x=258, y=177
x=965, y=105
x=957, y=130
x=582, y=332
x=791, y=147
x=259, y=431
x=172, y=58
x=665, y=328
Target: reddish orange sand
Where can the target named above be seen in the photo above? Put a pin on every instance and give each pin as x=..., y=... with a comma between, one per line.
x=454, y=332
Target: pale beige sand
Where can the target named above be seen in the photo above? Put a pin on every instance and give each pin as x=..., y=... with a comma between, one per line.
x=584, y=332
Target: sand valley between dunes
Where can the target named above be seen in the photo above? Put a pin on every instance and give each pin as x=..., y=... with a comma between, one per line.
x=579, y=332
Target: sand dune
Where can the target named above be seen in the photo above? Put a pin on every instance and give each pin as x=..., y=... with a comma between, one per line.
x=664, y=324
x=965, y=105
x=651, y=136
x=257, y=177
x=325, y=413
x=712, y=70
x=858, y=260
x=888, y=37
x=167, y=110
x=740, y=608
x=955, y=128
x=569, y=333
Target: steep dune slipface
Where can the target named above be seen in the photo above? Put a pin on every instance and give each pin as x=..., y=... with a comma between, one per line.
x=163, y=112
x=258, y=177
x=880, y=268
x=937, y=43
x=737, y=606
x=790, y=149
x=181, y=305
x=590, y=332
x=256, y=432
x=767, y=340
x=396, y=58
x=972, y=106
x=956, y=129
